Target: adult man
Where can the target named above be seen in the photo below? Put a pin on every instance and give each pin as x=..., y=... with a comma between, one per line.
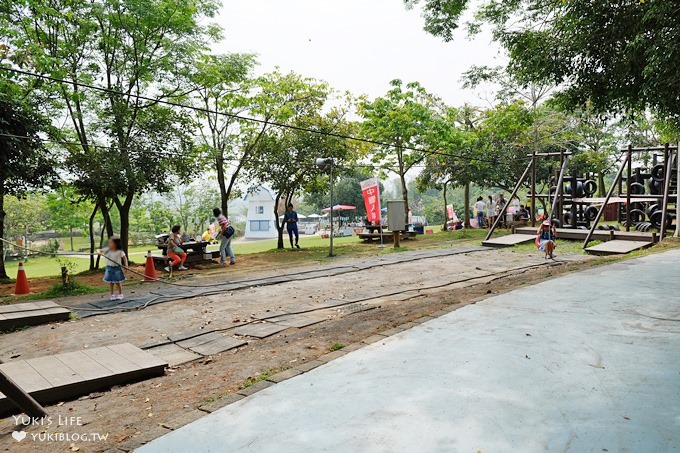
x=290, y=218
x=176, y=254
x=480, y=208
x=227, y=233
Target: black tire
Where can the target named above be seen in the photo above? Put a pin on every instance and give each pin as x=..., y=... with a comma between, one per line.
x=591, y=213
x=603, y=227
x=637, y=205
x=556, y=223
x=553, y=190
x=658, y=172
x=567, y=218
x=655, y=219
x=590, y=187
x=637, y=188
x=652, y=209
x=614, y=228
x=636, y=216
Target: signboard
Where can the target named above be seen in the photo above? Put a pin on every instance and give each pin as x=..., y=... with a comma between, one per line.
x=370, y=189
x=449, y=211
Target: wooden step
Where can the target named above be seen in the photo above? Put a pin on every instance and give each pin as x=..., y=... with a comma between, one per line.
x=509, y=240
x=31, y=314
x=617, y=247
x=65, y=376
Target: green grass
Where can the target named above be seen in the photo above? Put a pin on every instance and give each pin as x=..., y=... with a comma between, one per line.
x=337, y=347
x=255, y=379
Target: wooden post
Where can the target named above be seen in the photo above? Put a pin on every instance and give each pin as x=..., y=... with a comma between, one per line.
x=668, y=172
x=606, y=201
x=20, y=398
x=629, y=165
x=560, y=179
x=533, y=189
x=396, y=235
x=514, y=192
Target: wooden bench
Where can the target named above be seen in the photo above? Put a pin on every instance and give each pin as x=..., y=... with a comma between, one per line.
x=65, y=376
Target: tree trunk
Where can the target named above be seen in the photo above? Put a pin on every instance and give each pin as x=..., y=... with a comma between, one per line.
x=70, y=230
x=224, y=195
x=124, y=212
x=404, y=193
x=92, y=244
x=466, y=214
x=279, y=225
x=600, y=185
x=3, y=272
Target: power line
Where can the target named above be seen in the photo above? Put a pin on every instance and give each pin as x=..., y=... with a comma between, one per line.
x=240, y=117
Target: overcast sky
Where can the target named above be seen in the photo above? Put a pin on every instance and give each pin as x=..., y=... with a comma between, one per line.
x=355, y=45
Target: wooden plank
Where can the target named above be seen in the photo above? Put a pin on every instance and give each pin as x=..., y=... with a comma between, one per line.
x=30, y=314
x=218, y=345
x=64, y=376
x=173, y=354
x=259, y=330
x=509, y=240
x=54, y=371
x=299, y=321
x=85, y=366
x=25, y=375
x=617, y=247
x=600, y=235
x=199, y=340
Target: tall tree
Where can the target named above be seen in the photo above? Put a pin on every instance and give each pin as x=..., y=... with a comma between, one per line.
x=25, y=161
x=403, y=120
x=620, y=55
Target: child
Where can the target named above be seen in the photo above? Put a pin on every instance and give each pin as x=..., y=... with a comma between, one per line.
x=115, y=258
x=545, y=238
x=175, y=252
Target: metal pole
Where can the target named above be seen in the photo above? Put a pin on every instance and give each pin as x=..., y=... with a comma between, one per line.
x=557, y=191
x=330, y=253
x=606, y=200
x=629, y=165
x=514, y=192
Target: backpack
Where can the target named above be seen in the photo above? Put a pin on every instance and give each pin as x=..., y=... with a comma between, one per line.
x=228, y=232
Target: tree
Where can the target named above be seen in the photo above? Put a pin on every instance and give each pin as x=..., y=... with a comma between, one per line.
x=142, y=52
x=403, y=120
x=619, y=55
x=347, y=190
x=285, y=157
x=25, y=161
x=67, y=210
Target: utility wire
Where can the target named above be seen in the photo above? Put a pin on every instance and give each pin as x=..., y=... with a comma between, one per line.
x=239, y=117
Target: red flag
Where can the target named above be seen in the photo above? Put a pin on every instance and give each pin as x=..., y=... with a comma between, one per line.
x=371, y=192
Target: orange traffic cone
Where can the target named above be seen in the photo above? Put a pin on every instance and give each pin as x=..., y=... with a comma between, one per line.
x=22, y=282
x=149, y=269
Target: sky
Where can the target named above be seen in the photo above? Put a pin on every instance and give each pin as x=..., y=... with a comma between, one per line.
x=355, y=45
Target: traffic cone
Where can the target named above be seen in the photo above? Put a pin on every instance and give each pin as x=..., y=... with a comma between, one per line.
x=149, y=269
x=22, y=282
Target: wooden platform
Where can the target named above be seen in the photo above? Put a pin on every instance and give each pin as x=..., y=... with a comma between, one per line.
x=598, y=235
x=617, y=247
x=509, y=240
x=64, y=376
x=31, y=314
x=388, y=237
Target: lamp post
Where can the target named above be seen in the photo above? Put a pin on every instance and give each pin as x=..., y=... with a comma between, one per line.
x=324, y=163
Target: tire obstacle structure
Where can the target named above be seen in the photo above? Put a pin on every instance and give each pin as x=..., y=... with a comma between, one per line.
x=644, y=190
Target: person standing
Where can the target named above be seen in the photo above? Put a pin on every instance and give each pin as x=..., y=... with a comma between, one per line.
x=290, y=218
x=115, y=260
x=501, y=206
x=176, y=253
x=227, y=234
x=490, y=212
x=480, y=207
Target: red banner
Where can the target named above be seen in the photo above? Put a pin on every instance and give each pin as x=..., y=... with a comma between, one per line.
x=371, y=192
x=449, y=211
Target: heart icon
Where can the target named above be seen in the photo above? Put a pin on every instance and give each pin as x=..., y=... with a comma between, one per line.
x=19, y=435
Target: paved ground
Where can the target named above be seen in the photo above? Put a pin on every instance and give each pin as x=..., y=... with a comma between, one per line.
x=586, y=362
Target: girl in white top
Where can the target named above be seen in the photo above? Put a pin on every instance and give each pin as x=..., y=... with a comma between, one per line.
x=115, y=259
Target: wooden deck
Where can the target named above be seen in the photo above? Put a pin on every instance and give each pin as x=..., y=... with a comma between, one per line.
x=388, y=237
x=31, y=314
x=598, y=235
x=509, y=240
x=617, y=247
x=64, y=376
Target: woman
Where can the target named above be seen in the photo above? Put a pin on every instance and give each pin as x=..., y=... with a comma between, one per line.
x=545, y=238
x=490, y=212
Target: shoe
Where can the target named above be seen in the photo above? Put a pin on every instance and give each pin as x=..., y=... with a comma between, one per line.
x=232, y=263
x=182, y=268
x=223, y=264
x=119, y=297
x=167, y=269
x=297, y=245
x=113, y=297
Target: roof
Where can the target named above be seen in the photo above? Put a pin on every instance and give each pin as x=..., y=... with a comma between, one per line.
x=259, y=188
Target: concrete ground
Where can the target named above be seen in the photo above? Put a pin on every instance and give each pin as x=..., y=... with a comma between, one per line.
x=588, y=362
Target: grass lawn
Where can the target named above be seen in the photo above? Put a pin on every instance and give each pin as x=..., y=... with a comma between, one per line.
x=313, y=247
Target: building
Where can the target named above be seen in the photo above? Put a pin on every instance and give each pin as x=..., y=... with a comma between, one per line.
x=260, y=222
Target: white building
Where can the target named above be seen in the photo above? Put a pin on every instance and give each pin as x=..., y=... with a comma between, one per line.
x=261, y=222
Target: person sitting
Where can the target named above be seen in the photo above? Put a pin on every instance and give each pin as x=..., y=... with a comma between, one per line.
x=524, y=213
x=545, y=238
x=176, y=253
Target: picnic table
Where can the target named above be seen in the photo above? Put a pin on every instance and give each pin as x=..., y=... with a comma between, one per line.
x=196, y=253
